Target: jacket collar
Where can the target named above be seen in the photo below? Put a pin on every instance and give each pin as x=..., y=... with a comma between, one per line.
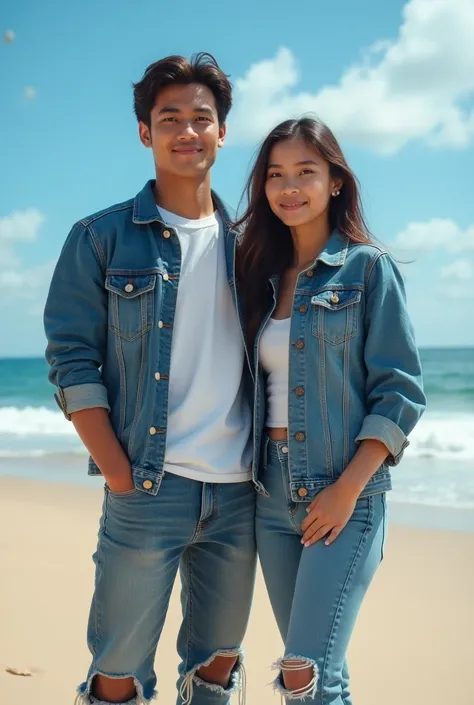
x=146, y=211
x=334, y=252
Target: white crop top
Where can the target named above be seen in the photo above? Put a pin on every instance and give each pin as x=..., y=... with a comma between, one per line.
x=274, y=357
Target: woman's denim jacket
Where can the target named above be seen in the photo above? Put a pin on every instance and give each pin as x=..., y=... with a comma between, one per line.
x=354, y=368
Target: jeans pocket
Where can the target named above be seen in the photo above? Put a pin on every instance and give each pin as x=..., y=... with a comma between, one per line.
x=118, y=495
x=297, y=514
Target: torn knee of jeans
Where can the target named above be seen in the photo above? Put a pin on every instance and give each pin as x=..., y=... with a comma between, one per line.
x=84, y=696
x=90, y=700
x=292, y=664
x=237, y=681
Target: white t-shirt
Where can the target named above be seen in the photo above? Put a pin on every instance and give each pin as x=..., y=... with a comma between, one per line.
x=274, y=357
x=209, y=418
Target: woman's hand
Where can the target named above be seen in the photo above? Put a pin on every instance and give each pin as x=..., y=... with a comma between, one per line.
x=328, y=513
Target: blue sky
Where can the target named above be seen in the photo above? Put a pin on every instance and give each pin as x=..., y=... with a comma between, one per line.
x=387, y=77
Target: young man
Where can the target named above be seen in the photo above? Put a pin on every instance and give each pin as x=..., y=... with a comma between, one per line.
x=146, y=349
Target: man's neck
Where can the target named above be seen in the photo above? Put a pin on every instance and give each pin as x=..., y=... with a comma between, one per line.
x=188, y=198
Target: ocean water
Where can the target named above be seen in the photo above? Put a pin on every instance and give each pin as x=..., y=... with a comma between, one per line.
x=437, y=469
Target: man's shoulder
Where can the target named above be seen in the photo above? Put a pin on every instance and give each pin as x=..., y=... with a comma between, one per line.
x=118, y=211
x=230, y=217
x=227, y=212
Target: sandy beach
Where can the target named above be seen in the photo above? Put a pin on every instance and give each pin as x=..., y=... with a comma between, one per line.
x=413, y=643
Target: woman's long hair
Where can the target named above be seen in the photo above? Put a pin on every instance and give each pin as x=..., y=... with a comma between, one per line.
x=267, y=247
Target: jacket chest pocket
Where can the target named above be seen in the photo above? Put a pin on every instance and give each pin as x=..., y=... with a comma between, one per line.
x=131, y=303
x=336, y=315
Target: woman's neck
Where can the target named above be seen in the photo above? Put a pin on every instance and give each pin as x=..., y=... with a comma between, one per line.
x=308, y=241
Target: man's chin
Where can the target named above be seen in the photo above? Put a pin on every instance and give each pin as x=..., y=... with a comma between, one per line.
x=196, y=169
x=196, y=166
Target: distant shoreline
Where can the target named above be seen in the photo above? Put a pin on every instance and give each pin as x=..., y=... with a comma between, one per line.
x=9, y=358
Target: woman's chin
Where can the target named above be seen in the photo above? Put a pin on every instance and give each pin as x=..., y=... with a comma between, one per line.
x=294, y=220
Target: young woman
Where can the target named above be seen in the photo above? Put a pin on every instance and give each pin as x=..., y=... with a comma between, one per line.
x=338, y=390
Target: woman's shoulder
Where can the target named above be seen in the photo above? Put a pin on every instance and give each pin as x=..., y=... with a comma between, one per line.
x=365, y=253
x=369, y=257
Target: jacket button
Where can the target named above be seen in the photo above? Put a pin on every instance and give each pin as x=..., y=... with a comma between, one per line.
x=147, y=485
x=160, y=324
x=165, y=277
x=302, y=492
x=303, y=308
x=157, y=376
x=309, y=273
x=129, y=288
x=166, y=233
x=335, y=298
x=300, y=436
x=299, y=391
x=299, y=344
x=152, y=431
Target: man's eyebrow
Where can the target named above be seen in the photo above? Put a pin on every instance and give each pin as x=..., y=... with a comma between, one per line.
x=197, y=109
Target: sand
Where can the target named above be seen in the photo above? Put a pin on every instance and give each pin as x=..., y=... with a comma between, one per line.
x=413, y=643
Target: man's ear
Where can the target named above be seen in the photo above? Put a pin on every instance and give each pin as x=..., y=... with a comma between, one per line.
x=222, y=134
x=144, y=134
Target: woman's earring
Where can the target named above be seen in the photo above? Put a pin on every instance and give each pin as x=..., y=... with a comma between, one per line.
x=335, y=193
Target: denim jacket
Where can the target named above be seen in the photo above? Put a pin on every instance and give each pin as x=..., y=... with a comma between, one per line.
x=354, y=369
x=109, y=318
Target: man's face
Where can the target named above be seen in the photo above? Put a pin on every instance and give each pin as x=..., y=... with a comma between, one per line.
x=184, y=134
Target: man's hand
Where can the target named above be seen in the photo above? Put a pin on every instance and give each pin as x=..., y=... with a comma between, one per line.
x=121, y=482
x=95, y=431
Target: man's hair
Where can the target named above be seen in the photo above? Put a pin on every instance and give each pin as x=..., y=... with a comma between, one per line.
x=202, y=68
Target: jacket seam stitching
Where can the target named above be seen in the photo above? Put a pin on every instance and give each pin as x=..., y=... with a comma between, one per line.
x=86, y=222
x=123, y=384
x=138, y=403
x=345, y=405
x=324, y=415
x=371, y=266
x=98, y=248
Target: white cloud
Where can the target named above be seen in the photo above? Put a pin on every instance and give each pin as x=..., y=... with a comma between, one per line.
x=18, y=227
x=19, y=283
x=25, y=290
x=434, y=234
x=27, y=283
x=414, y=87
x=461, y=270
x=458, y=292
x=29, y=93
x=10, y=279
x=21, y=226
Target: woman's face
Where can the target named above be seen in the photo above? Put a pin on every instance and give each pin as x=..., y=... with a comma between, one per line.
x=299, y=183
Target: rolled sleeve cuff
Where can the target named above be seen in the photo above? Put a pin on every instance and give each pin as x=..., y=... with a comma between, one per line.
x=81, y=396
x=380, y=428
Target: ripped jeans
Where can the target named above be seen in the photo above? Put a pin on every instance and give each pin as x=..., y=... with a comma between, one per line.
x=208, y=532
x=315, y=592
